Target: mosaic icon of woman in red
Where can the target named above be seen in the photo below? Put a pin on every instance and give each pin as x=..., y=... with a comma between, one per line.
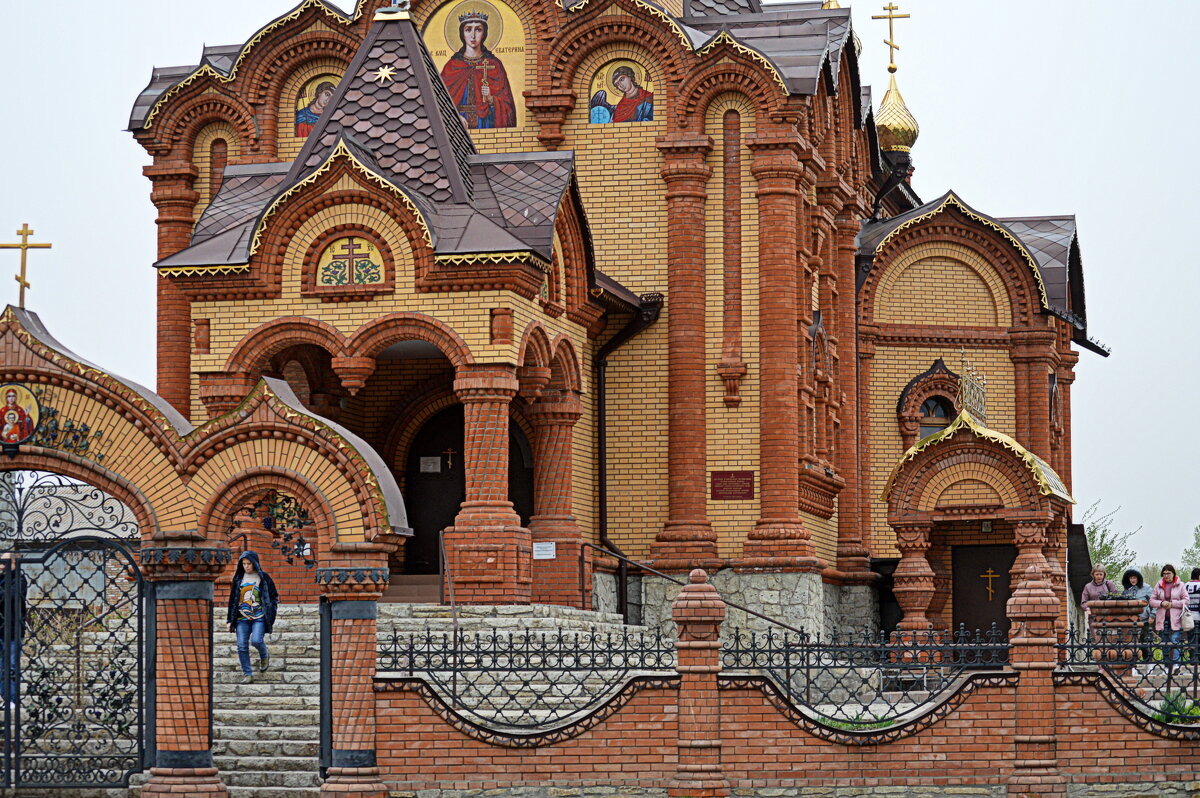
x=16, y=422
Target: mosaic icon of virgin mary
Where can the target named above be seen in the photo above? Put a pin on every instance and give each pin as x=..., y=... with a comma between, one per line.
x=18, y=415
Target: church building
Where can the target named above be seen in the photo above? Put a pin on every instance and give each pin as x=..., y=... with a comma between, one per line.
x=619, y=283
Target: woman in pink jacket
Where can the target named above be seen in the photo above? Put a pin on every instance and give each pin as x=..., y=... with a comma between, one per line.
x=1171, y=599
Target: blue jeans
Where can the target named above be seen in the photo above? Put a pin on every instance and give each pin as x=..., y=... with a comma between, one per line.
x=8, y=671
x=250, y=633
x=1173, y=637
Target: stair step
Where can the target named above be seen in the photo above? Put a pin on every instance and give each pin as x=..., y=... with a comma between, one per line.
x=298, y=733
x=270, y=778
x=266, y=764
x=265, y=748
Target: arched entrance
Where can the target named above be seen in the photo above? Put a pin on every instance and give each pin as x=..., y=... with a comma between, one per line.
x=436, y=476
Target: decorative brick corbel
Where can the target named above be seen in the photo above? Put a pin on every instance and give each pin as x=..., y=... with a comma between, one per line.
x=550, y=110
x=354, y=371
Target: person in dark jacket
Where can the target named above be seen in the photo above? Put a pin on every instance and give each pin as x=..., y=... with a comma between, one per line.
x=253, y=601
x=1136, y=588
x=9, y=659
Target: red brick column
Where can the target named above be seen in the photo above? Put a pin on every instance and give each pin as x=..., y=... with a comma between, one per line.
x=556, y=581
x=183, y=657
x=853, y=556
x=487, y=551
x=779, y=538
x=1033, y=610
x=1033, y=356
x=1029, y=535
x=175, y=199
x=353, y=582
x=687, y=538
x=913, y=577
x=698, y=611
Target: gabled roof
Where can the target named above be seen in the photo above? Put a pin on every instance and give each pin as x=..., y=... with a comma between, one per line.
x=875, y=235
x=1048, y=482
x=392, y=117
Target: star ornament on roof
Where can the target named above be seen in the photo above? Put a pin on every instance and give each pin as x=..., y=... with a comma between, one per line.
x=385, y=74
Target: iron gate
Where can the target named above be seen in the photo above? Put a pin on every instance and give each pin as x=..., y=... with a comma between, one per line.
x=73, y=671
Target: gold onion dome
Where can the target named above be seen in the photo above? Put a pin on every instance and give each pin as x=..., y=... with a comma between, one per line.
x=897, y=127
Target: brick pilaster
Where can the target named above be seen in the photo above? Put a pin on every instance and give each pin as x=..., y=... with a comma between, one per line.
x=353, y=581
x=779, y=539
x=175, y=199
x=557, y=581
x=1029, y=535
x=698, y=611
x=183, y=582
x=687, y=537
x=487, y=551
x=913, y=577
x=853, y=556
x=1033, y=610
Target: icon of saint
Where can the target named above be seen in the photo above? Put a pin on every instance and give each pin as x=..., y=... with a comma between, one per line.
x=476, y=79
x=306, y=117
x=636, y=104
x=18, y=425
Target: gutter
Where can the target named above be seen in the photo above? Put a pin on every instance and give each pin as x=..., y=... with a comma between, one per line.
x=648, y=310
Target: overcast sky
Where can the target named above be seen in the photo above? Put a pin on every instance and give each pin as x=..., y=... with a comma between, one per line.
x=1027, y=107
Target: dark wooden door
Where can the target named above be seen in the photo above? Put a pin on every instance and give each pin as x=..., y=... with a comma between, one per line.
x=435, y=484
x=981, y=586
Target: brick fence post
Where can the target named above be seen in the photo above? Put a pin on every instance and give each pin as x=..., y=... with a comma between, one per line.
x=1033, y=611
x=353, y=578
x=698, y=612
x=183, y=582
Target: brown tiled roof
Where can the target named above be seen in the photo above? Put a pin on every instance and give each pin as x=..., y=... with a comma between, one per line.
x=245, y=191
x=416, y=137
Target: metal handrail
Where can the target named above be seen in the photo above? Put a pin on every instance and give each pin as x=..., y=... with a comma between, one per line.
x=668, y=577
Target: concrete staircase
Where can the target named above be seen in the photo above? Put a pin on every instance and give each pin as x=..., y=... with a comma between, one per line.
x=266, y=734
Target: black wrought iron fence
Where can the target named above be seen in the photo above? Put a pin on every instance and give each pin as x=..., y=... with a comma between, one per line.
x=525, y=680
x=862, y=682
x=1157, y=675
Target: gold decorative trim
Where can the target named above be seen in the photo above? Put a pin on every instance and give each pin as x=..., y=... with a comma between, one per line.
x=470, y=258
x=724, y=37
x=204, y=271
x=206, y=70
x=1049, y=483
x=341, y=150
x=952, y=199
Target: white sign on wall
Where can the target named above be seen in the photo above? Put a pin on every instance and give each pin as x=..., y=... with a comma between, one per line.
x=545, y=550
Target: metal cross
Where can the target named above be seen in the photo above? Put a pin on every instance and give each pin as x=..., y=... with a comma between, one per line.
x=990, y=575
x=890, y=41
x=24, y=246
x=449, y=457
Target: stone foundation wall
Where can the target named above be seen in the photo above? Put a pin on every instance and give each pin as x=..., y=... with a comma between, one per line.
x=800, y=599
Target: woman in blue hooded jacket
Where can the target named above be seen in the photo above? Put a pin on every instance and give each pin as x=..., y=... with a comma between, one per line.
x=253, y=601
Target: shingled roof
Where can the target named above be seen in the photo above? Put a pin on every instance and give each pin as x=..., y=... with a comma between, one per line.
x=1051, y=244
x=403, y=128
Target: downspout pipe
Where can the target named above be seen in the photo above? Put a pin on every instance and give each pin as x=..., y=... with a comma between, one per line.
x=648, y=312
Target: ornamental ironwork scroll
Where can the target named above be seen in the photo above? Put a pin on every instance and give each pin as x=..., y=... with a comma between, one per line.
x=38, y=507
x=287, y=521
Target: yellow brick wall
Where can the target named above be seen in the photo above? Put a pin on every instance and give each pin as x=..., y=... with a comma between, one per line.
x=203, y=159
x=943, y=285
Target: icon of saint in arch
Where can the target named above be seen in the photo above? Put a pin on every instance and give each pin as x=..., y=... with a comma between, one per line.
x=476, y=79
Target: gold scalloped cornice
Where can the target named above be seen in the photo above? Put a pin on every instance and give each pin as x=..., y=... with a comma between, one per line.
x=340, y=151
x=952, y=200
x=205, y=70
x=1048, y=482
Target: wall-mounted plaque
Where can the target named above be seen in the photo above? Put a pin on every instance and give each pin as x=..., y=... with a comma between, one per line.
x=545, y=550
x=731, y=485
x=431, y=465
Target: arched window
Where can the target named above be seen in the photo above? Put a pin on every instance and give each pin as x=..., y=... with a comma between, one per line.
x=936, y=414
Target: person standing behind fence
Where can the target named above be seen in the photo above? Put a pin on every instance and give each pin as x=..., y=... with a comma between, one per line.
x=1099, y=587
x=1193, y=590
x=1136, y=588
x=253, y=601
x=1171, y=600
x=10, y=659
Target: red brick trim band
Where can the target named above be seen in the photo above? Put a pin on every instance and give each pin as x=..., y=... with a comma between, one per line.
x=797, y=716
x=635, y=685
x=1111, y=692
